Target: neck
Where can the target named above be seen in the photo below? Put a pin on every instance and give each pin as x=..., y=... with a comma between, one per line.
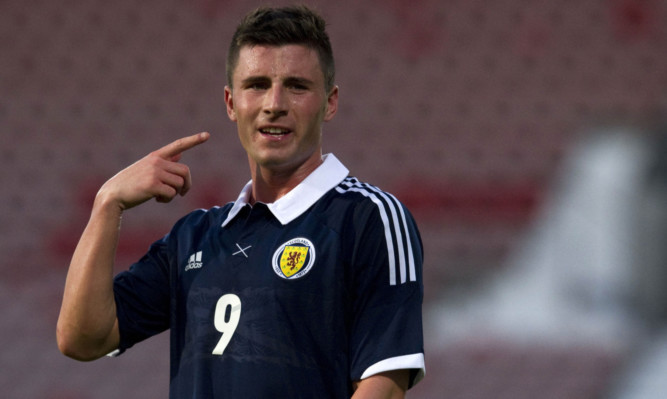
x=269, y=185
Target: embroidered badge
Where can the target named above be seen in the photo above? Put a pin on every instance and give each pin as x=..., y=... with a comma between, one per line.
x=294, y=258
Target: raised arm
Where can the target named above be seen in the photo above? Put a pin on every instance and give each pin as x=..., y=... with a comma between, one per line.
x=87, y=326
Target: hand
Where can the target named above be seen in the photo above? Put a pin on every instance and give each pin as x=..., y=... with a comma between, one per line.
x=158, y=175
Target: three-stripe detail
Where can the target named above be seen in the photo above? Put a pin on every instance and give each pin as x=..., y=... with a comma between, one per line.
x=399, y=246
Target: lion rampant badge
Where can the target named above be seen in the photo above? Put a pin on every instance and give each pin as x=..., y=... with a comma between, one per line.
x=294, y=258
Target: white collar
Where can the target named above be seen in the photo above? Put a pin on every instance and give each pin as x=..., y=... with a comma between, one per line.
x=300, y=198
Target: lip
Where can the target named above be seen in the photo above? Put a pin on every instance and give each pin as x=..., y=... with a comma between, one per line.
x=274, y=137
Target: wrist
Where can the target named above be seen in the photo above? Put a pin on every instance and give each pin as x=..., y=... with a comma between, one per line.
x=107, y=203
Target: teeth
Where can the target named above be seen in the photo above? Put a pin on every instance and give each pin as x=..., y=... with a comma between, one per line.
x=273, y=130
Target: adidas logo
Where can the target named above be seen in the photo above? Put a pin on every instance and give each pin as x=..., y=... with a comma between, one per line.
x=194, y=262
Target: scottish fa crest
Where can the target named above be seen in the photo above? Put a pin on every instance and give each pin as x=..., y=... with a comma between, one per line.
x=294, y=258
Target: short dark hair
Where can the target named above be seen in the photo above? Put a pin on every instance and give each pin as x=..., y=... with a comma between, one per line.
x=283, y=26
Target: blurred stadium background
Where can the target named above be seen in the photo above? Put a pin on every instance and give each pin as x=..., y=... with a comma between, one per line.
x=523, y=136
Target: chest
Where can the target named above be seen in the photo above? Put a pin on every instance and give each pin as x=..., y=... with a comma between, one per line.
x=257, y=251
x=260, y=277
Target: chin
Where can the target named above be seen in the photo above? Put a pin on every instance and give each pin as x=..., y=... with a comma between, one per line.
x=271, y=161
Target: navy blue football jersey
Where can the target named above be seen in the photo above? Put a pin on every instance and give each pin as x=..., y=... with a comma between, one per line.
x=294, y=299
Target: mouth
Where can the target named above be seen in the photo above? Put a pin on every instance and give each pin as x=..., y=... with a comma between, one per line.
x=274, y=131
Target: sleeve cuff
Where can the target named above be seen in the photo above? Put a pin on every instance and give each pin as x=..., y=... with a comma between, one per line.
x=115, y=353
x=412, y=362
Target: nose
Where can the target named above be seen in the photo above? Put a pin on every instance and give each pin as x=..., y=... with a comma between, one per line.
x=275, y=101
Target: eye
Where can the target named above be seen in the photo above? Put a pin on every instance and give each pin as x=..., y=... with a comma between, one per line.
x=298, y=84
x=257, y=86
x=298, y=87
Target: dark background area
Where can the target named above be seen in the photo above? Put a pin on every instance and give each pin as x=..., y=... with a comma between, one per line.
x=465, y=110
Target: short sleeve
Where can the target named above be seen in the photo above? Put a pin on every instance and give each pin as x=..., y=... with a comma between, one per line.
x=387, y=332
x=142, y=296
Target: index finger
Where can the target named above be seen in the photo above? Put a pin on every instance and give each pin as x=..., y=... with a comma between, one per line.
x=183, y=144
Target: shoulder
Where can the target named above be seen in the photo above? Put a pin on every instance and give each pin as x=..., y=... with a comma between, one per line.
x=202, y=219
x=371, y=211
x=370, y=200
x=355, y=189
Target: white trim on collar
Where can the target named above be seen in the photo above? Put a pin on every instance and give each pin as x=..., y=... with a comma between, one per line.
x=290, y=206
x=241, y=201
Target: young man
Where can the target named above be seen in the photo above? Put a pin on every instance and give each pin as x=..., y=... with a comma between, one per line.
x=308, y=285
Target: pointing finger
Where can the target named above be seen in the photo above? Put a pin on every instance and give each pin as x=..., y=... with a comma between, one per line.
x=175, y=148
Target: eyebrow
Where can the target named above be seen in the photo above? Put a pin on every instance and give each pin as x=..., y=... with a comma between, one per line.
x=298, y=81
x=287, y=81
x=249, y=81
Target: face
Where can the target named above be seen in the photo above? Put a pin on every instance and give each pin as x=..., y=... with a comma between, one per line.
x=279, y=102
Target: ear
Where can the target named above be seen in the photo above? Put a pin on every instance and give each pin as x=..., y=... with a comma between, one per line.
x=229, y=101
x=332, y=104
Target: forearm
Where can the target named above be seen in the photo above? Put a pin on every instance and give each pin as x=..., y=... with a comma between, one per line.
x=387, y=385
x=87, y=326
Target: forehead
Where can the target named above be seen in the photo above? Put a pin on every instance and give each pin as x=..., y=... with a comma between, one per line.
x=278, y=62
